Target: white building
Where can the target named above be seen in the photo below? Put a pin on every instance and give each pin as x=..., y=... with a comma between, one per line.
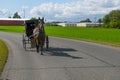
x=89, y=24
x=68, y=24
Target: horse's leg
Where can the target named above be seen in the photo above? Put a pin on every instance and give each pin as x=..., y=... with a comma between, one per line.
x=41, y=45
x=37, y=44
x=37, y=41
x=41, y=50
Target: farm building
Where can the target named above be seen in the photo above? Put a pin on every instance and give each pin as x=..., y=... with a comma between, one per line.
x=67, y=24
x=11, y=22
x=89, y=24
x=81, y=24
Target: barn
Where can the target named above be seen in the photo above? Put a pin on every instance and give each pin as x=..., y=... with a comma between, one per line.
x=11, y=22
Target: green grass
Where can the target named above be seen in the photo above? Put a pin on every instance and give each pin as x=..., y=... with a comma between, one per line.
x=99, y=35
x=19, y=29
x=3, y=54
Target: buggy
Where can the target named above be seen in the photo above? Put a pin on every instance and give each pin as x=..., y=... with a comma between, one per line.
x=28, y=37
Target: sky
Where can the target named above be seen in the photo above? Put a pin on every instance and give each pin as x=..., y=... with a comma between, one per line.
x=59, y=10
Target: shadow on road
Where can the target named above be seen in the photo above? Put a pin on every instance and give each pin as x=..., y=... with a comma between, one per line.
x=62, y=52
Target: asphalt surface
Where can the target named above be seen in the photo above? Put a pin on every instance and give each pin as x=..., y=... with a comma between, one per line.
x=66, y=60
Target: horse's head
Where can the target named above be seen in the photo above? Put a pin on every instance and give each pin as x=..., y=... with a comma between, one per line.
x=41, y=20
x=40, y=23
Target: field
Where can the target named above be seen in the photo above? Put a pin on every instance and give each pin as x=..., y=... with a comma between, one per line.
x=3, y=55
x=99, y=35
x=19, y=29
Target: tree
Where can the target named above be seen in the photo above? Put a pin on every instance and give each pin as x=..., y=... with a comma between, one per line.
x=9, y=17
x=16, y=15
x=87, y=20
x=100, y=20
x=112, y=20
x=33, y=18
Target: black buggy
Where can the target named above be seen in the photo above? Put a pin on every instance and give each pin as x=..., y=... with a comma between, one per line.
x=28, y=37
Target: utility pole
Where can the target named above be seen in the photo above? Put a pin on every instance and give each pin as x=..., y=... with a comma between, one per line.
x=95, y=22
x=24, y=7
x=24, y=12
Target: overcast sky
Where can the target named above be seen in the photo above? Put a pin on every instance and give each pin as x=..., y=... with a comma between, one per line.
x=59, y=10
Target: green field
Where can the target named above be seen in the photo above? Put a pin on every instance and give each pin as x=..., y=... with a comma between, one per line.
x=3, y=55
x=99, y=35
x=19, y=29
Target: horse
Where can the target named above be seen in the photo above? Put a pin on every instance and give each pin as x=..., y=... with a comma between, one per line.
x=39, y=35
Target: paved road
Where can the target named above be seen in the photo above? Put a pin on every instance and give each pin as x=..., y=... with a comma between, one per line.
x=65, y=60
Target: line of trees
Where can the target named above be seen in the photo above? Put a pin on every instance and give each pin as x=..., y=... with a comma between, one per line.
x=88, y=20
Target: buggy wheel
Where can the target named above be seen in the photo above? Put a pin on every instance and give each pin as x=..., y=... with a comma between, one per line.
x=47, y=42
x=24, y=42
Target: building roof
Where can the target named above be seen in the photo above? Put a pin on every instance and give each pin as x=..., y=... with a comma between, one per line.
x=12, y=19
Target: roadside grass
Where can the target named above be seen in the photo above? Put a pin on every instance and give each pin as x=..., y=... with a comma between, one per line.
x=19, y=29
x=3, y=55
x=98, y=35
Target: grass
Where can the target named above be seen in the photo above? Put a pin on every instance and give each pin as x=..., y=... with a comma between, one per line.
x=19, y=29
x=99, y=35
x=3, y=55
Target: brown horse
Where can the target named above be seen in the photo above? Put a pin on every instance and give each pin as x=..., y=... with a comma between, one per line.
x=39, y=35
